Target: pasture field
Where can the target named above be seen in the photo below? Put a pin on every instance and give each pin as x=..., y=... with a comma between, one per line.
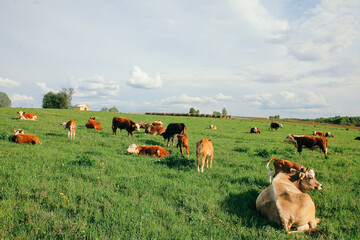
x=91, y=188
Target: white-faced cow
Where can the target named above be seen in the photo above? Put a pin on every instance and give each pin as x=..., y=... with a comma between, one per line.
x=27, y=116
x=20, y=137
x=172, y=129
x=205, y=148
x=275, y=125
x=71, y=127
x=125, y=123
x=213, y=127
x=319, y=133
x=153, y=151
x=255, y=130
x=310, y=142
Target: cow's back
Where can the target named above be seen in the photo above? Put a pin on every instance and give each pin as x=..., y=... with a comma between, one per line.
x=26, y=139
x=204, y=146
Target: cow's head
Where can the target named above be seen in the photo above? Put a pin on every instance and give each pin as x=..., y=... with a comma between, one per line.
x=280, y=125
x=290, y=138
x=133, y=148
x=307, y=181
x=18, y=131
x=92, y=118
x=20, y=113
x=136, y=127
x=63, y=124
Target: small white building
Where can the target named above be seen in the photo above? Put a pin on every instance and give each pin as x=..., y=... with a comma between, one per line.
x=81, y=107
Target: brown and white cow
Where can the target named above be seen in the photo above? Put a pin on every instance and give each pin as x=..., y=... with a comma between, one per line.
x=329, y=134
x=205, y=148
x=275, y=125
x=319, y=133
x=155, y=130
x=27, y=116
x=310, y=142
x=93, y=124
x=286, y=202
x=125, y=123
x=172, y=129
x=71, y=127
x=183, y=143
x=213, y=127
x=157, y=123
x=153, y=151
x=20, y=137
x=282, y=165
x=144, y=125
x=255, y=130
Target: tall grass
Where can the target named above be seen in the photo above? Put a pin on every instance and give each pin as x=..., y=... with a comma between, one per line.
x=90, y=187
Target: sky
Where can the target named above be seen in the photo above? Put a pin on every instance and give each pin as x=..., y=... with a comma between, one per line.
x=255, y=58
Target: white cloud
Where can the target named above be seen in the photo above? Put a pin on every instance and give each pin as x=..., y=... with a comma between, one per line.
x=95, y=86
x=223, y=97
x=21, y=98
x=5, y=82
x=45, y=88
x=185, y=99
x=140, y=79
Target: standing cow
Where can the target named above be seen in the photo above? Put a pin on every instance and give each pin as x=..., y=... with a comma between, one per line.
x=172, y=129
x=71, y=127
x=275, y=125
x=308, y=142
x=183, y=143
x=205, y=148
x=125, y=123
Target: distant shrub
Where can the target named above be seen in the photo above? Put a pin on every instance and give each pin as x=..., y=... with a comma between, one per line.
x=84, y=160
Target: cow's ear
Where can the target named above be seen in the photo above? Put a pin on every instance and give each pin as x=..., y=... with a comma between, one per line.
x=14, y=131
x=209, y=140
x=293, y=170
x=301, y=175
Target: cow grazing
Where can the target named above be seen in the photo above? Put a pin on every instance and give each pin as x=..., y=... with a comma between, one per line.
x=27, y=116
x=153, y=151
x=282, y=165
x=20, y=137
x=71, y=127
x=204, y=147
x=275, y=125
x=172, y=129
x=286, y=202
x=155, y=130
x=319, y=133
x=125, y=123
x=93, y=124
x=255, y=130
x=329, y=134
x=157, y=123
x=213, y=127
x=357, y=138
x=144, y=125
x=311, y=142
x=183, y=142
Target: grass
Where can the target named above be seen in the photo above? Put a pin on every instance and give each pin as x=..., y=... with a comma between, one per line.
x=91, y=188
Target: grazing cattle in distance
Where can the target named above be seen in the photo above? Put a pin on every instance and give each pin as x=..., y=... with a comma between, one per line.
x=20, y=137
x=319, y=133
x=183, y=142
x=155, y=130
x=282, y=165
x=286, y=202
x=205, y=148
x=71, y=127
x=27, y=116
x=255, y=130
x=125, y=123
x=357, y=138
x=213, y=127
x=329, y=134
x=157, y=123
x=310, y=142
x=172, y=129
x=275, y=125
x=153, y=151
x=93, y=124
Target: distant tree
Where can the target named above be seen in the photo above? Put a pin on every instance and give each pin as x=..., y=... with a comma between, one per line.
x=104, y=109
x=192, y=110
x=113, y=109
x=216, y=113
x=4, y=100
x=60, y=100
x=275, y=117
x=223, y=111
x=198, y=111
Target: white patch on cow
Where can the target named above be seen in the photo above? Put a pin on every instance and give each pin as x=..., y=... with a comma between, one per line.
x=311, y=172
x=137, y=127
x=133, y=148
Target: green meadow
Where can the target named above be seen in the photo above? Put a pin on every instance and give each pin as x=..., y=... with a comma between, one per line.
x=91, y=188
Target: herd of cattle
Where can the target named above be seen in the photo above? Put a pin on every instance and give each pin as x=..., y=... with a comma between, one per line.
x=285, y=201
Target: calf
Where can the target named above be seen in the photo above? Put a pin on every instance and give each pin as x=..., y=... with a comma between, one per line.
x=204, y=147
x=308, y=142
x=286, y=202
x=275, y=125
x=153, y=151
x=125, y=123
x=27, y=116
x=255, y=130
x=93, y=124
x=282, y=165
x=172, y=129
x=183, y=142
x=319, y=133
x=213, y=127
x=329, y=134
x=155, y=130
x=71, y=127
x=20, y=137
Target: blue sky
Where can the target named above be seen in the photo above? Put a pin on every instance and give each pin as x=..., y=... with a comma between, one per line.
x=255, y=58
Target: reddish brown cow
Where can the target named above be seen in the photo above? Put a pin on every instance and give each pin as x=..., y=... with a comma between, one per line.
x=205, y=148
x=93, y=124
x=153, y=151
x=124, y=123
x=27, y=116
x=255, y=130
x=157, y=123
x=308, y=142
x=71, y=127
x=20, y=137
x=282, y=165
x=319, y=133
x=155, y=130
x=183, y=142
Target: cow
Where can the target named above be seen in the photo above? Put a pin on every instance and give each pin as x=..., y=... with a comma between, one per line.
x=183, y=142
x=71, y=127
x=157, y=123
x=125, y=123
x=20, y=137
x=255, y=130
x=282, y=165
x=172, y=129
x=213, y=127
x=319, y=133
x=329, y=134
x=27, y=116
x=144, y=125
x=204, y=147
x=153, y=151
x=155, y=130
x=357, y=138
x=275, y=125
x=93, y=124
x=311, y=142
x=286, y=202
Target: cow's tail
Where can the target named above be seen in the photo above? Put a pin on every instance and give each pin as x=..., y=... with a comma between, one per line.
x=270, y=172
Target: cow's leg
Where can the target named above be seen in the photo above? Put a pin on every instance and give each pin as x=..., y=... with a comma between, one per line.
x=173, y=141
x=203, y=160
x=211, y=158
x=181, y=149
x=69, y=134
x=168, y=144
x=187, y=151
x=74, y=134
x=197, y=161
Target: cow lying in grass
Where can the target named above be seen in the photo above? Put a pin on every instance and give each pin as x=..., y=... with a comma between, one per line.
x=153, y=151
x=27, y=116
x=21, y=137
x=93, y=124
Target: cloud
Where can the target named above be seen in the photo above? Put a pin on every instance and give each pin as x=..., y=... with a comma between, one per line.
x=5, y=82
x=21, y=98
x=185, y=99
x=95, y=86
x=287, y=100
x=140, y=79
x=45, y=88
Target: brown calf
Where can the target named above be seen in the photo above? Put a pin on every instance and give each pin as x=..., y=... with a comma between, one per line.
x=282, y=165
x=71, y=127
x=20, y=137
x=153, y=151
x=204, y=147
x=183, y=142
x=155, y=130
x=27, y=116
x=93, y=124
